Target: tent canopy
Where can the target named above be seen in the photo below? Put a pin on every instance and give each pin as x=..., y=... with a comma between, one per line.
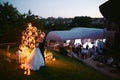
x=76, y=33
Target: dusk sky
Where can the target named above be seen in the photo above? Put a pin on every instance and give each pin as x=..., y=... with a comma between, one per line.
x=58, y=8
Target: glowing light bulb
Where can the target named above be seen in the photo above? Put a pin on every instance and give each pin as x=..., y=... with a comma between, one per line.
x=23, y=37
x=54, y=59
x=28, y=72
x=21, y=67
x=25, y=72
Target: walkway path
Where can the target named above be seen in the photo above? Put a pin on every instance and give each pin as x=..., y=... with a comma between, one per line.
x=101, y=67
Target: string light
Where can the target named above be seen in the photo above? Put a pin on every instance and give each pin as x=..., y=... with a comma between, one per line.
x=28, y=43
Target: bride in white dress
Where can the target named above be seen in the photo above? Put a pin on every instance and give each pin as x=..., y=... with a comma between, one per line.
x=35, y=60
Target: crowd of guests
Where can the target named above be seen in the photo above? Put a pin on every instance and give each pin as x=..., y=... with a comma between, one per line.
x=82, y=52
x=99, y=53
x=86, y=51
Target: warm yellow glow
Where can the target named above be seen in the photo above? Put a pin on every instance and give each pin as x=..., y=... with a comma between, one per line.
x=49, y=55
x=28, y=43
x=54, y=59
x=23, y=37
x=29, y=25
x=21, y=66
x=42, y=34
x=25, y=72
x=28, y=72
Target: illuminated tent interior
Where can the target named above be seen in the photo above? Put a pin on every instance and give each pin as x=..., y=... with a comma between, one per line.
x=77, y=35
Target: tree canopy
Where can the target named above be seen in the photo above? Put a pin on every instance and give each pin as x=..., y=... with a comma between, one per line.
x=13, y=22
x=82, y=21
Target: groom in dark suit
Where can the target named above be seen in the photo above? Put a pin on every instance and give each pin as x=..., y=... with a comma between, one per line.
x=42, y=48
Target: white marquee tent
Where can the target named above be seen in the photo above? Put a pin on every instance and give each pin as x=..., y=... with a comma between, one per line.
x=76, y=33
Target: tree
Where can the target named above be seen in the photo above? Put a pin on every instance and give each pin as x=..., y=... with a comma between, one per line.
x=8, y=21
x=82, y=21
x=12, y=22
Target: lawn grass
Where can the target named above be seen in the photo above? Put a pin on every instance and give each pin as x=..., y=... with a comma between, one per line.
x=63, y=68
